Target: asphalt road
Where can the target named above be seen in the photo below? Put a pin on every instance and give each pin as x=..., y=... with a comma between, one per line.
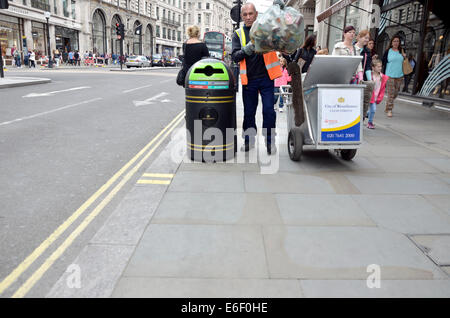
x=59, y=143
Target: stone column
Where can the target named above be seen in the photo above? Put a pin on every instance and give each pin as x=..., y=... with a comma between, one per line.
x=27, y=32
x=52, y=37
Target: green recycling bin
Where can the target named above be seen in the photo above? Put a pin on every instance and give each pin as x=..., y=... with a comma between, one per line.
x=210, y=111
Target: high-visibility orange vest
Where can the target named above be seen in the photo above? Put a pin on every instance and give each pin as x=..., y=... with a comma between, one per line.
x=271, y=61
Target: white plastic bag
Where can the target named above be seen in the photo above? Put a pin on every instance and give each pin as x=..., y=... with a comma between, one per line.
x=278, y=29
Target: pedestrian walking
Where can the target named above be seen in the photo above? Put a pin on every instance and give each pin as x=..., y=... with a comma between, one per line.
x=306, y=53
x=193, y=50
x=361, y=46
x=71, y=58
x=393, y=67
x=363, y=39
x=257, y=72
x=32, y=61
x=76, y=58
x=283, y=80
x=408, y=77
x=380, y=81
x=17, y=58
x=346, y=48
x=371, y=47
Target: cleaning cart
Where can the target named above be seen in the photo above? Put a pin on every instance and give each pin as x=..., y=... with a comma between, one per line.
x=332, y=108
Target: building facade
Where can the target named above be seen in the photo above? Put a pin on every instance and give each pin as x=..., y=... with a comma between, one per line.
x=169, y=27
x=307, y=9
x=23, y=26
x=209, y=15
x=99, y=31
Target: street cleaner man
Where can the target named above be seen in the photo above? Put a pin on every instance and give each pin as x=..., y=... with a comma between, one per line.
x=257, y=72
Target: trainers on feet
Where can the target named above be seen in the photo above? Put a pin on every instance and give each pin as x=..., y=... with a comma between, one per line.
x=370, y=126
x=281, y=110
x=389, y=113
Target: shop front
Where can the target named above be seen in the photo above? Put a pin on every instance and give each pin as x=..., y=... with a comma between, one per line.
x=11, y=30
x=423, y=27
x=39, y=34
x=66, y=39
x=168, y=51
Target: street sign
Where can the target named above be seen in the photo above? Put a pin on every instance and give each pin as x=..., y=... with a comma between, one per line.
x=333, y=9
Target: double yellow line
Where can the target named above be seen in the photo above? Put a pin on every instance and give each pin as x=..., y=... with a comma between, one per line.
x=37, y=275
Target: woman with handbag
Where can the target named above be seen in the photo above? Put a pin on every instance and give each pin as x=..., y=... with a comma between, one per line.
x=193, y=51
x=306, y=53
x=393, y=67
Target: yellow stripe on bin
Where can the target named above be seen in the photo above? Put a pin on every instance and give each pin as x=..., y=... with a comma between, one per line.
x=353, y=123
x=210, y=101
x=213, y=146
x=209, y=97
x=210, y=150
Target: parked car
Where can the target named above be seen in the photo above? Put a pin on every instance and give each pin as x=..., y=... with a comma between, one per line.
x=170, y=61
x=157, y=60
x=177, y=61
x=137, y=61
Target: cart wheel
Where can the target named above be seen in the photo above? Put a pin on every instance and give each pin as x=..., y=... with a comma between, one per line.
x=295, y=144
x=348, y=154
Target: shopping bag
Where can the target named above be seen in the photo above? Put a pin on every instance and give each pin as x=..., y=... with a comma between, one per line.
x=407, y=68
x=278, y=29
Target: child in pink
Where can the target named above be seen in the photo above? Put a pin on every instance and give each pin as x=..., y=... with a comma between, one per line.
x=378, y=92
x=283, y=80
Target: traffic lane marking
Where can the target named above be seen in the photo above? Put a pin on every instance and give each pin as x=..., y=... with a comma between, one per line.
x=50, y=111
x=37, y=275
x=55, y=92
x=135, y=89
x=18, y=271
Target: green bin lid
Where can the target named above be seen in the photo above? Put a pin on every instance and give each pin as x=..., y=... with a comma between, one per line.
x=209, y=70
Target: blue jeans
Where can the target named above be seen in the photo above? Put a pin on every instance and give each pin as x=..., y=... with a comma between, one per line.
x=277, y=90
x=372, y=110
x=265, y=87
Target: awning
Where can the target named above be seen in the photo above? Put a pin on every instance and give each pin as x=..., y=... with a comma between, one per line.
x=333, y=9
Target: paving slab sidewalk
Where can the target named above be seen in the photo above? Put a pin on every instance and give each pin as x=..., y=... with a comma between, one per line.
x=320, y=227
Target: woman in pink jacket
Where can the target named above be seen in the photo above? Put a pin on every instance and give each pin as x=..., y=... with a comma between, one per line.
x=378, y=92
x=283, y=80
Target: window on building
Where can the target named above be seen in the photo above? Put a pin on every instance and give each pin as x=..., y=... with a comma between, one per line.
x=169, y=37
x=199, y=5
x=74, y=14
x=41, y=4
x=157, y=13
x=164, y=33
x=66, y=8
x=158, y=31
x=55, y=6
x=164, y=13
x=173, y=35
x=207, y=6
x=178, y=35
x=199, y=18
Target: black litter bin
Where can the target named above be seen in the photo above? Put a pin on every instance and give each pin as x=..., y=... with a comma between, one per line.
x=210, y=111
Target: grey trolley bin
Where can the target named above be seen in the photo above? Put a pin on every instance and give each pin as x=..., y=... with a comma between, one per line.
x=332, y=108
